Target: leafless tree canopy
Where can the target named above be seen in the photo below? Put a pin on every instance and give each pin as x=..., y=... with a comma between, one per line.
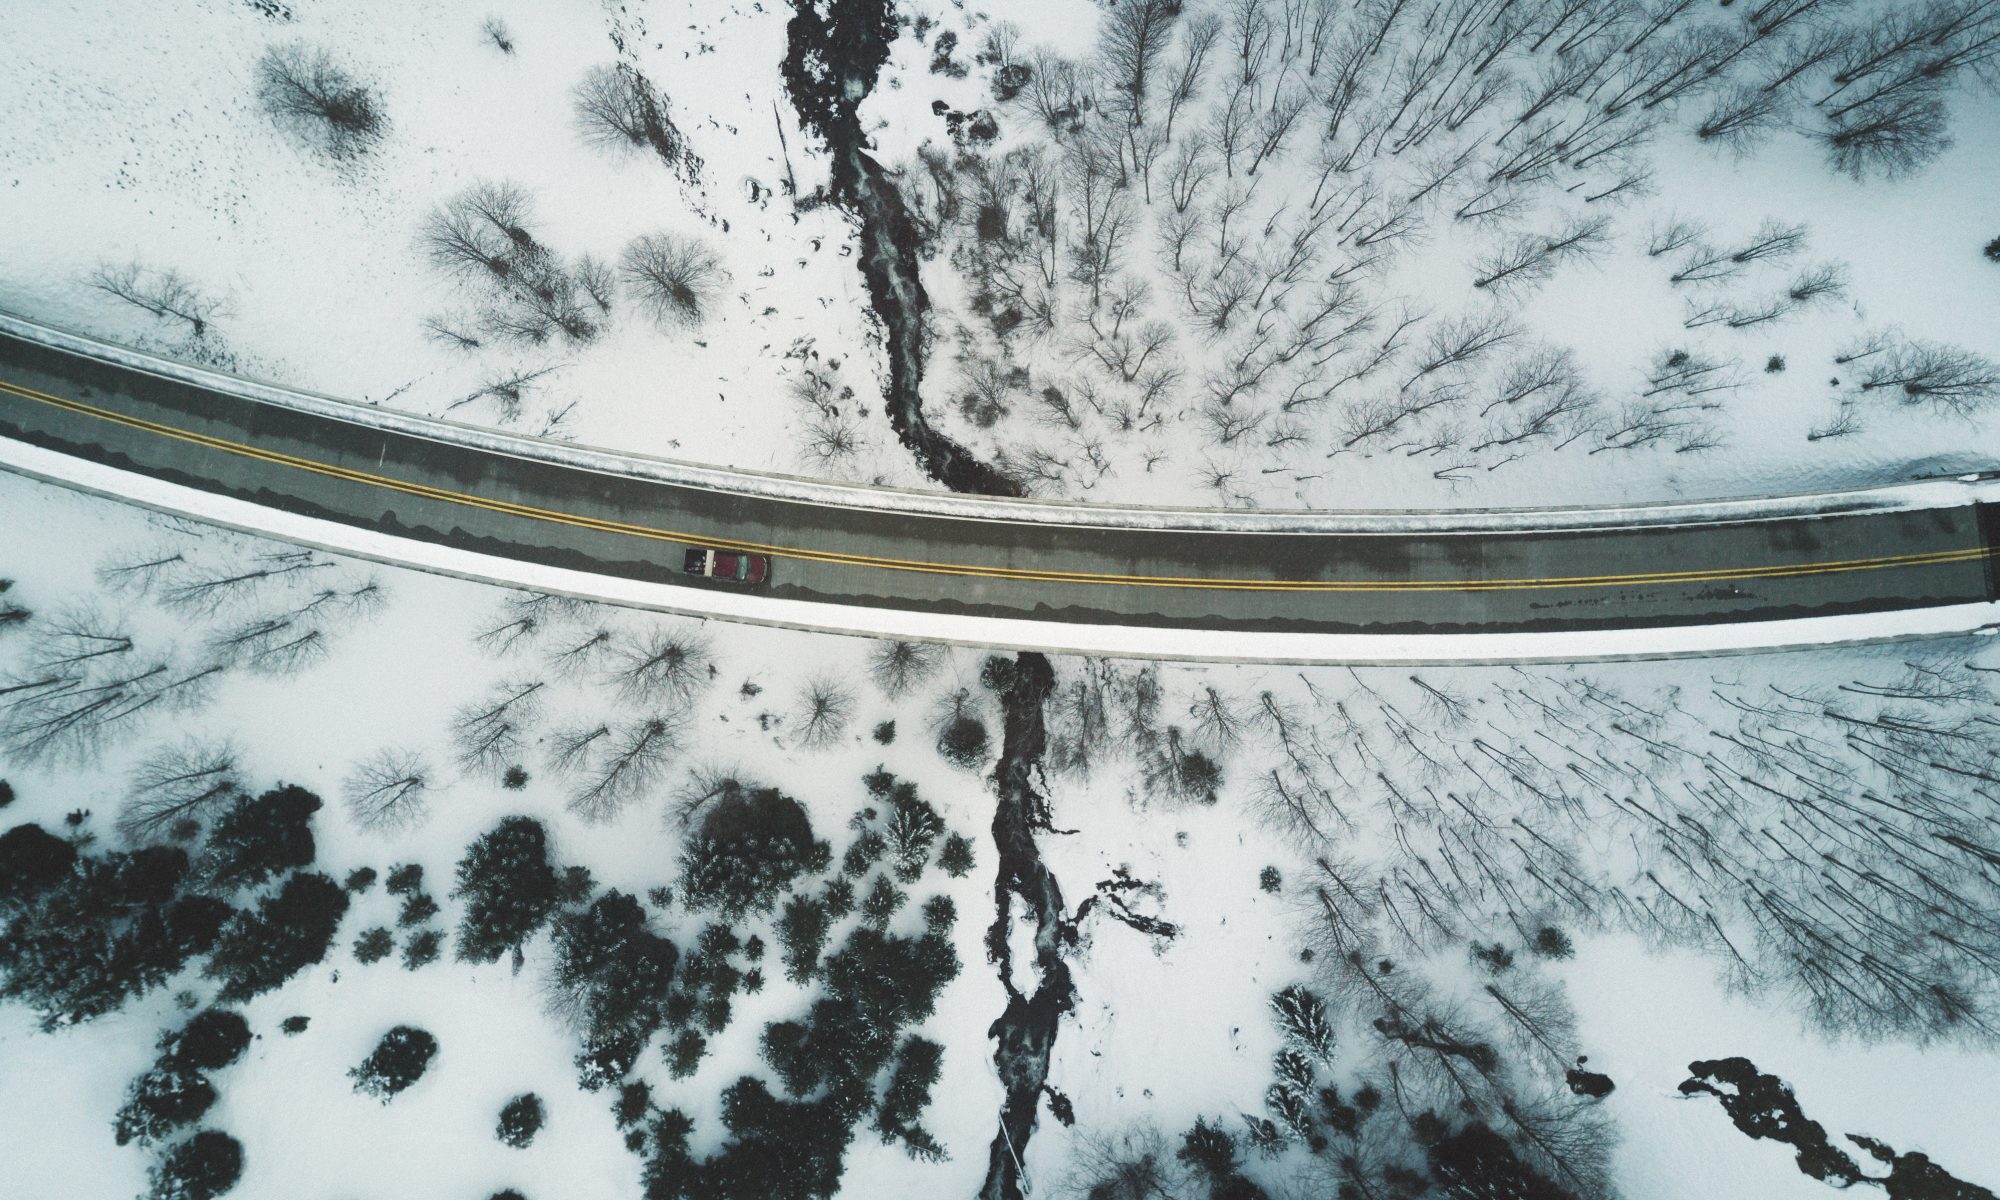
x=662, y=665
x=483, y=236
x=495, y=30
x=1946, y=378
x=897, y=667
x=490, y=733
x=611, y=765
x=825, y=705
x=389, y=791
x=315, y=100
x=175, y=787
x=165, y=294
x=618, y=107
x=675, y=278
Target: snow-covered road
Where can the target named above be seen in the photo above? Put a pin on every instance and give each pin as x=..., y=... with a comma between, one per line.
x=1898, y=561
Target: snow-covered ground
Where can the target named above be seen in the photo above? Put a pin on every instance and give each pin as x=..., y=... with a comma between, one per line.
x=1681, y=819
x=118, y=153
x=1165, y=1029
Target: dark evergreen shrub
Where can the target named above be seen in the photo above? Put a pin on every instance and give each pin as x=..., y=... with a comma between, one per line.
x=398, y=1060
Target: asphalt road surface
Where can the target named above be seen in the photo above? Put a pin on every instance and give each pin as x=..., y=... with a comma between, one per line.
x=434, y=490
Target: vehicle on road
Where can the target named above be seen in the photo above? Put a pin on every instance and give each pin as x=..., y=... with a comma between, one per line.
x=730, y=566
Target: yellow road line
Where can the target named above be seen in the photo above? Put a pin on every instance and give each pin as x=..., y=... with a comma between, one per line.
x=1702, y=575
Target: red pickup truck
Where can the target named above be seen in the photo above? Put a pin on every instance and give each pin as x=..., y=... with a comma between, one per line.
x=730, y=566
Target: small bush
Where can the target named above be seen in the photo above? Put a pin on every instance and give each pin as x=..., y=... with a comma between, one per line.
x=294, y=1025
x=6, y=793
x=405, y=879
x=515, y=779
x=1551, y=942
x=963, y=741
x=885, y=733
x=360, y=879
x=633, y=1100
x=211, y=1040
x=956, y=857
x=1774, y=365
x=883, y=901
x=161, y=1101
x=520, y=1120
x=202, y=1167
x=418, y=909
x=398, y=1060
x=374, y=945
x=684, y=1055
x=940, y=914
x=839, y=898
x=1993, y=250
x=422, y=949
x=496, y=31
x=1270, y=880
x=997, y=673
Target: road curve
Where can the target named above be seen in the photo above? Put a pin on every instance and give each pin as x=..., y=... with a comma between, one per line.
x=626, y=516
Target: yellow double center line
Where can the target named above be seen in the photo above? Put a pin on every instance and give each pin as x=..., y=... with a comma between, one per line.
x=370, y=479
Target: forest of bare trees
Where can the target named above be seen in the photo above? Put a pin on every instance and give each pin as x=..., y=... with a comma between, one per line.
x=170, y=621
x=1221, y=214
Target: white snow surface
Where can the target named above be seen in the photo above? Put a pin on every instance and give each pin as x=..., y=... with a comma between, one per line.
x=140, y=140
x=1163, y=1033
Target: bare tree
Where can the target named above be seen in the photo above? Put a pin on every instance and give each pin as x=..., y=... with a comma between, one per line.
x=1530, y=259
x=139, y=573
x=1216, y=723
x=523, y=617
x=483, y=234
x=1133, y=38
x=1773, y=240
x=210, y=587
x=675, y=277
x=829, y=439
x=481, y=230
x=1671, y=234
x=899, y=666
x=496, y=31
x=665, y=664
x=703, y=785
x=618, y=107
x=175, y=788
x=1891, y=138
x=491, y=732
x=611, y=765
x=318, y=102
x=12, y=615
x=580, y=652
x=823, y=710
x=166, y=294
x=389, y=791
x=1946, y=378
x=1462, y=340
x=508, y=390
x=1742, y=116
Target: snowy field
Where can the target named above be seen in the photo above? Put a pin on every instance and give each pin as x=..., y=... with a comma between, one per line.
x=1260, y=284
x=579, y=901
x=1168, y=1025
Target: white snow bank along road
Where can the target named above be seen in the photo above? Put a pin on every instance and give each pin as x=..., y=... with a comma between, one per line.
x=1051, y=636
